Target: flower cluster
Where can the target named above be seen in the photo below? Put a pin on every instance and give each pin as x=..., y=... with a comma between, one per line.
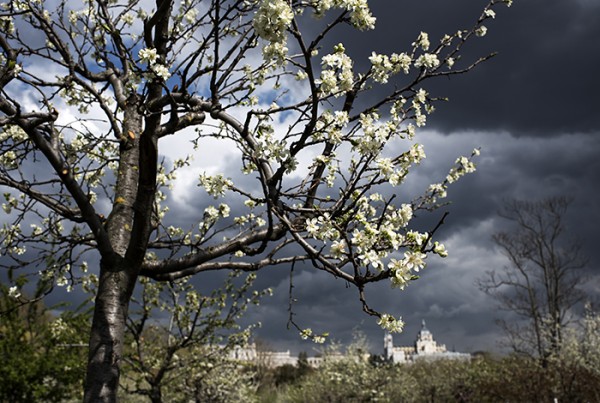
x=148, y=56
x=272, y=149
x=391, y=324
x=329, y=126
x=422, y=41
x=8, y=26
x=401, y=271
x=360, y=14
x=63, y=276
x=215, y=185
x=249, y=218
x=322, y=228
x=481, y=31
x=151, y=57
x=9, y=160
x=275, y=51
x=440, y=249
x=376, y=237
x=375, y=134
x=427, y=61
x=418, y=104
x=309, y=334
x=463, y=166
x=212, y=214
x=437, y=190
x=271, y=21
x=384, y=66
x=337, y=77
x=127, y=19
x=489, y=13
x=13, y=292
x=306, y=333
x=395, y=170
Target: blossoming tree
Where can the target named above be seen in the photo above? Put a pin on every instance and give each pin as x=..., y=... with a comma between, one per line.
x=90, y=92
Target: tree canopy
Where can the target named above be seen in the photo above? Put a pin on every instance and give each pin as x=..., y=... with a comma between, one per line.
x=91, y=93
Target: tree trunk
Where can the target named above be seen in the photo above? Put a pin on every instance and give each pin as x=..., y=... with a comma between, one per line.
x=156, y=394
x=107, y=334
x=117, y=275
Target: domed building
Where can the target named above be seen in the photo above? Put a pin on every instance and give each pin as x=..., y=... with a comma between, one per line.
x=425, y=347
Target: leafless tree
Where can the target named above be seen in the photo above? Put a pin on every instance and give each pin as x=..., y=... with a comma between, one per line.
x=541, y=283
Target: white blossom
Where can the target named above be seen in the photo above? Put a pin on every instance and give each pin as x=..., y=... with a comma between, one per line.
x=272, y=18
x=215, y=185
x=371, y=257
x=338, y=248
x=360, y=14
x=13, y=292
x=191, y=15
x=438, y=190
x=381, y=67
x=427, y=60
x=417, y=153
x=9, y=160
x=337, y=76
x=440, y=249
x=422, y=41
x=148, y=55
x=13, y=132
x=161, y=71
x=224, y=210
x=306, y=333
x=414, y=261
x=400, y=274
x=489, y=13
x=127, y=19
x=391, y=324
x=386, y=167
x=481, y=31
x=421, y=95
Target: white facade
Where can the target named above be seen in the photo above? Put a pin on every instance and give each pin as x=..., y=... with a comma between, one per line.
x=425, y=347
x=272, y=359
x=275, y=359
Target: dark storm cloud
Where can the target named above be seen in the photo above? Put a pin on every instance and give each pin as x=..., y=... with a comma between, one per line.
x=543, y=80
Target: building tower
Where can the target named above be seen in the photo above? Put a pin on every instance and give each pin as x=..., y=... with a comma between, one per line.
x=388, y=346
x=425, y=343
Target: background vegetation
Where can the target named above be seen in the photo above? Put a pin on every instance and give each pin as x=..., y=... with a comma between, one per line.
x=42, y=362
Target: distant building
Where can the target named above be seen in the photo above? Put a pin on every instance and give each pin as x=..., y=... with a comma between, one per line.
x=425, y=348
x=273, y=359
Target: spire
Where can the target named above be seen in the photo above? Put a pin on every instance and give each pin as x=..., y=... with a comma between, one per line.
x=424, y=331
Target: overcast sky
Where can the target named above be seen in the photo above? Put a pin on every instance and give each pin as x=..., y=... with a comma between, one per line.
x=533, y=110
